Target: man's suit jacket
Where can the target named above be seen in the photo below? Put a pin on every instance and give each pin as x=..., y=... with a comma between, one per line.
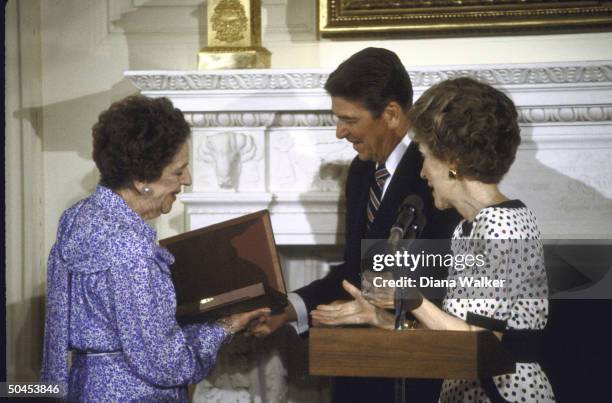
x=405, y=181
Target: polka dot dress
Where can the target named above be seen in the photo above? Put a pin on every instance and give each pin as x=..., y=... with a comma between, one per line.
x=507, y=236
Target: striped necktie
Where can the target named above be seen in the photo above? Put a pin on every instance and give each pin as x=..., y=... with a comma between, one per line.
x=381, y=175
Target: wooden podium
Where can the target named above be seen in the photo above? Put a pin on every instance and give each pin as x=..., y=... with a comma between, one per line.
x=420, y=353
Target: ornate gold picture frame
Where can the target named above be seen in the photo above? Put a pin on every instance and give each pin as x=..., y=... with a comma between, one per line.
x=461, y=17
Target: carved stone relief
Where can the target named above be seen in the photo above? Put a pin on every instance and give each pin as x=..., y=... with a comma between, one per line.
x=229, y=160
x=308, y=160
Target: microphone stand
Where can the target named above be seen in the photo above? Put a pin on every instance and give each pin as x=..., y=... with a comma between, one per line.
x=408, y=225
x=401, y=304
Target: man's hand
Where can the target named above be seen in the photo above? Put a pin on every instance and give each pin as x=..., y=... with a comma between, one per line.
x=267, y=325
x=238, y=322
x=316, y=323
x=357, y=311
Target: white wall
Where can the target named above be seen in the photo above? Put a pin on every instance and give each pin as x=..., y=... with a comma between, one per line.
x=65, y=59
x=86, y=45
x=451, y=51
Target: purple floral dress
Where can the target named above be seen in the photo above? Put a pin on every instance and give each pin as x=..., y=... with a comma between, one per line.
x=110, y=301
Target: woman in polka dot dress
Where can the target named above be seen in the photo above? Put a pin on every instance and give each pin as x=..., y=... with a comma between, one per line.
x=468, y=134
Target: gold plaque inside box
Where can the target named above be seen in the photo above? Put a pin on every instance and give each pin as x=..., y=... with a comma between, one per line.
x=227, y=268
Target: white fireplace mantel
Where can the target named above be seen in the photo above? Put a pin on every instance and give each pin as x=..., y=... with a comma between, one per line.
x=266, y=139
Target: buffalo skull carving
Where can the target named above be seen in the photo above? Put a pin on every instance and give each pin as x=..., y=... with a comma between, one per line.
x=227, y=152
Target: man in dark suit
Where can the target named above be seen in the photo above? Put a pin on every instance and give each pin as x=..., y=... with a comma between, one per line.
x=371, y=93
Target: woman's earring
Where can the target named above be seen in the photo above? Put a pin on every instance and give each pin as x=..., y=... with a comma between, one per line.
x=146, y=190
x=452, y=174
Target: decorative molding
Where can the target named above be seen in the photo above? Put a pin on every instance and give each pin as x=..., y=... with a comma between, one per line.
x=261, y=119
x=276, y=79
x=565, y=114
x=315, y=119
x=520, y=75
x=226, y=80
x=237, y=119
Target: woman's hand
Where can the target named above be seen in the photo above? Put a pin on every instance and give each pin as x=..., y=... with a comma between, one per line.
x=382, y=297
x=239, y=321
x=266, y=325
x=358, y=311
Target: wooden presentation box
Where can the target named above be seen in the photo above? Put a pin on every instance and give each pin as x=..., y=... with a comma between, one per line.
x=420, y=353
x=227, y=268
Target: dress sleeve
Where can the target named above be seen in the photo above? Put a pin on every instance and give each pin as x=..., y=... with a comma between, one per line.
x=488, y=307
x=156, y=348
x=55, y=346
x=518, y=260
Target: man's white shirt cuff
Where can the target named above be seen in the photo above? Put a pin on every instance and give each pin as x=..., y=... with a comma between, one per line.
x=301, y=325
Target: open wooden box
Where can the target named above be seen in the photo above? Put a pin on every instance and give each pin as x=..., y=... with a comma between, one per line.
x=227, y=268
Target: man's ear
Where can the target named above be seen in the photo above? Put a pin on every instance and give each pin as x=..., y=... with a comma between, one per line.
x=392, y=114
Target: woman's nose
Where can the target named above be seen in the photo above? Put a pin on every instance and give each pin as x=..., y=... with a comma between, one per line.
x=186, y=178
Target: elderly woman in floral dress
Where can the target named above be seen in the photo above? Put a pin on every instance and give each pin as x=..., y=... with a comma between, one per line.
x=110, y=299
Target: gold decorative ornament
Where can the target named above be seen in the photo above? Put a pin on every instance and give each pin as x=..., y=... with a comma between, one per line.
x=234, y=36
x=452, y=173
x=229, y=21
x=351, y=18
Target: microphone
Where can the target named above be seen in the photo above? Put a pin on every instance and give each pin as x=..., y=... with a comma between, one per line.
x=407, y=220
x=414, y=230
x=408, y=225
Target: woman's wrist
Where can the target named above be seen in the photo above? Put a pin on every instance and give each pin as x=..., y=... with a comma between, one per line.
x=383, y=319
x=228, y=327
